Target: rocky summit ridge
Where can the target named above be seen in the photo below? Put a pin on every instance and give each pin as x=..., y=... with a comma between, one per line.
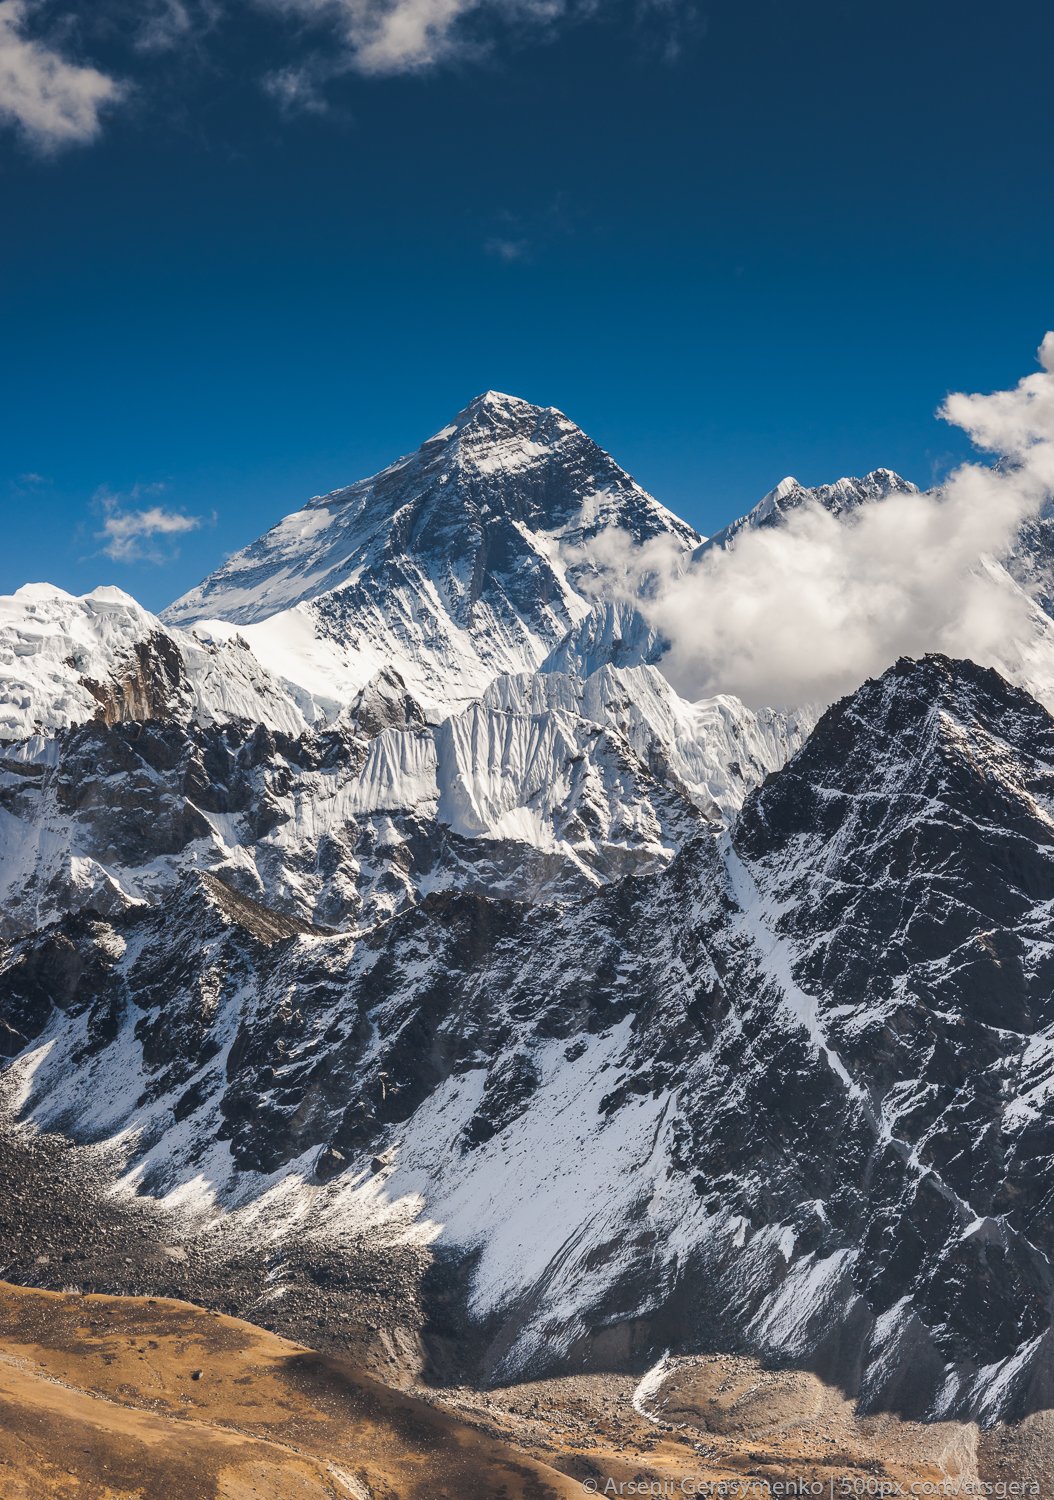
x=452, y=565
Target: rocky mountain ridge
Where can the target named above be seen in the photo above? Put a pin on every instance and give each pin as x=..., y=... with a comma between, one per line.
x=341, y=803
x=840, y=498
x=701, y=1078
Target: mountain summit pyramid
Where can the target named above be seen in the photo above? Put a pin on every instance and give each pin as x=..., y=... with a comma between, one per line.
x=450, y=564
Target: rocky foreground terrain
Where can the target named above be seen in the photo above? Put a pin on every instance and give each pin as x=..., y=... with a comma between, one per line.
x=107, y=1398
x=112, y=1398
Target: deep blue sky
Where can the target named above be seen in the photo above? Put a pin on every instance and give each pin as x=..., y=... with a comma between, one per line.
x=772, y=253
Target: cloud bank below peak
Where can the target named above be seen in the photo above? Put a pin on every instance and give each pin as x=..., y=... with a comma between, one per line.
x=806, y=611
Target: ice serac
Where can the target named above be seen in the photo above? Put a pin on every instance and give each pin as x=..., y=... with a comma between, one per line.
x=462, y=561
x=613, y=634
x=792, y=1093
x=136, y=752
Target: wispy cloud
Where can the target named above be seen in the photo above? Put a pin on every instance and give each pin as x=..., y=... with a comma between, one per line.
x=506, y=249
x=372, y=38
x=384, y=37
x=164, y=25
x=131, y=533
x=51, y=100
x=56, y=100
x=167, y=25
x=299, y=88
x=670, y=28
x=526, y=234
x=391, y=36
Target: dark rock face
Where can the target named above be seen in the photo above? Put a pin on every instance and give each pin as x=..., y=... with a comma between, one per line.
x=1031, y=560
x=384, y=703
x=460, y=512
x=793, y=1094
x=462, y=561
x=469, y=533
x=938, y=843
x=910, y=850
x=151, y=684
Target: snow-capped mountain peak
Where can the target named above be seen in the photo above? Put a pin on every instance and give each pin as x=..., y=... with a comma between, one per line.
x=261, y=930
x=494, y=411
x=787, y=486
x=451, y=565
x=839, y=498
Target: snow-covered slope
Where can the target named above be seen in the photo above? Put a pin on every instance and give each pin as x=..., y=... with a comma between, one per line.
x=548, y=786
x=717, y=748
x=66, y=660
x=791, y=1094
x=450, y=565
x=613, y=634
x=1031, y=559
x=136, y=752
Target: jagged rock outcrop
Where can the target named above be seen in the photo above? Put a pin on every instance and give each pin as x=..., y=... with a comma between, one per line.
x=840, y=498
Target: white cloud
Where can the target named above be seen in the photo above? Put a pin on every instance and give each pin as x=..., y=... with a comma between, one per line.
x=386, y=37
x=403, y=36
x=299, y=88
x=805, y=612
x=54, y=102
x=165, y=25
x=130, y=535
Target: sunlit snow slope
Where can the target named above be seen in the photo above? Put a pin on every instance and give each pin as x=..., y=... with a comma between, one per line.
x=451, y=565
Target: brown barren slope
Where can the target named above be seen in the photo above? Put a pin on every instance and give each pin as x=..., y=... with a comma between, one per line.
x=123, y=1398
x=105, y=1398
